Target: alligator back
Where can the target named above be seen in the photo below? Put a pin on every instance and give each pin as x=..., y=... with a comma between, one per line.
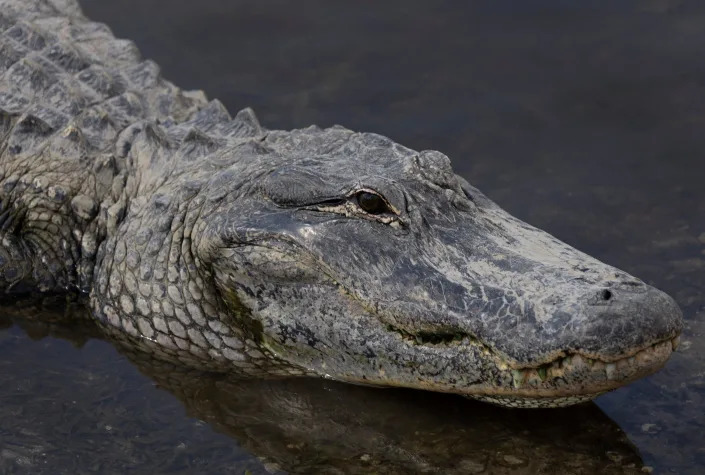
x=75, y=106
x=67, y=90
x=59, y=70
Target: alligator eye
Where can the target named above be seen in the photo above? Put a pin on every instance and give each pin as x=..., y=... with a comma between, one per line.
x=372, y=203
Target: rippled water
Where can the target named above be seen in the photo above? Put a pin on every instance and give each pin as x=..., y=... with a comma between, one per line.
x=584, y=118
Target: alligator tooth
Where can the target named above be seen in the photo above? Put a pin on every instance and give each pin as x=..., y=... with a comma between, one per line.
x=610, y=370
x=622, y=364
x=642, y=357
x=517, y=377
x=675, y=342
x=541, y=371
x=577, y=361
x=557, y=369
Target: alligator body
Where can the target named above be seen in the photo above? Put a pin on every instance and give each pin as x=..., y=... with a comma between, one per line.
x=215, y=242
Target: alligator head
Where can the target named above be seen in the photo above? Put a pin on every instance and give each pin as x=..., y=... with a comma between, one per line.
x=367, y=262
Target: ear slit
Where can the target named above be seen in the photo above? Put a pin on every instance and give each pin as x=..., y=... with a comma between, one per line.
x=331, y=202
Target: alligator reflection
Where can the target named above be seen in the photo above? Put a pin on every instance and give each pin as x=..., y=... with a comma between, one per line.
x=316, y=426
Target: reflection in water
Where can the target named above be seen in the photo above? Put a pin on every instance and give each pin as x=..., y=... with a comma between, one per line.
x=315, y=426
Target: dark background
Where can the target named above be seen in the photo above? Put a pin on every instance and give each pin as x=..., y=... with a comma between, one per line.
x=583, y=118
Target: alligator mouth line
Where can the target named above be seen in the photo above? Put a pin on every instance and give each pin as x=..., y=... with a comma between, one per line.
x=589, y=374
x=529, y=392
x=619, y=370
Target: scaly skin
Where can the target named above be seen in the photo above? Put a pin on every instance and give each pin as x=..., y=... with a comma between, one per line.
x=223, y=245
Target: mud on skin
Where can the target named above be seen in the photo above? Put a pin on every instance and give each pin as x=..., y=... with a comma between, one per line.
x=213, y=241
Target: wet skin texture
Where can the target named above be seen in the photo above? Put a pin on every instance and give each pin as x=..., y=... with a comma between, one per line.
x=223, y=245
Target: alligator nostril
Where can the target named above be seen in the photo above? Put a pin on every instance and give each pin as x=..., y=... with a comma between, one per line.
x=606, y=295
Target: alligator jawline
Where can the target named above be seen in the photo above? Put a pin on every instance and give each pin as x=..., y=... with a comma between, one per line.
x=637, y=360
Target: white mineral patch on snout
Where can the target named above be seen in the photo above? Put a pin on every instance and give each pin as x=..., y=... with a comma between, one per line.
x=556, y=278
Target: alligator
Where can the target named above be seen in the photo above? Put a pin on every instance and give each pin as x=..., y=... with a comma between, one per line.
x=214, y=242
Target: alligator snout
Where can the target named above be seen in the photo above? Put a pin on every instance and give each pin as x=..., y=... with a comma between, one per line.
x=551, y=324
x=535, y=317
x=623, y=319
x=531, y=298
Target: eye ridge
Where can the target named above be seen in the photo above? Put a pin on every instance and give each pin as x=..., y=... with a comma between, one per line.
x=372, y=203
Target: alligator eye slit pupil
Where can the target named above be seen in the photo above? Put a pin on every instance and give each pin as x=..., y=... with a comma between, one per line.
x=371, y=203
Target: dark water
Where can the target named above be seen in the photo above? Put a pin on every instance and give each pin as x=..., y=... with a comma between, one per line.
x=584, y=118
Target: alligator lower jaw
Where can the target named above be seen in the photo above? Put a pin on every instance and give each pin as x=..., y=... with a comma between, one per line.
x=573, y=379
